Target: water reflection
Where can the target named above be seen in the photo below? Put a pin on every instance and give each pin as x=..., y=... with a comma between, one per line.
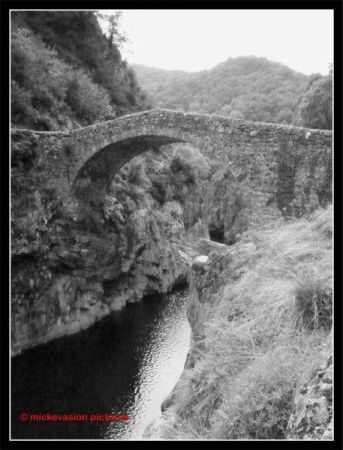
x=126, y=364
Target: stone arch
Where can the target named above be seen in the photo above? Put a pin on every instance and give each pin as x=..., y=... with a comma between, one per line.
x=117, y=147
x=104, y=163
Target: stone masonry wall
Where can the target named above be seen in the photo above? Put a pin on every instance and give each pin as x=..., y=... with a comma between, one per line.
x=282, y=165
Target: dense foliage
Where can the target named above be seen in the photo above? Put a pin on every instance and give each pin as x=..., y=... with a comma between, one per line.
x=248, y=88
x=315, y=109
x=66, y=72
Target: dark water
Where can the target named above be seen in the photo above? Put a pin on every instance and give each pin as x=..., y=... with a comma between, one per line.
x=126, y=364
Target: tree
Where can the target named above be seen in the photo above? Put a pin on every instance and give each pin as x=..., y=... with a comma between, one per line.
x=90, y=101
x=225, y=110
x=315, y=109
x=65, y=70
x=235, y=114
x=284, y=116
x=254, y=88
x=112, y=24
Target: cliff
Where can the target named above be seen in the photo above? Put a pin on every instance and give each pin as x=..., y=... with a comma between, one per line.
x=76, y=260
x=260, y=364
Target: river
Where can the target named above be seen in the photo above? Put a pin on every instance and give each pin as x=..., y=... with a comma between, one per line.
x=125, y=364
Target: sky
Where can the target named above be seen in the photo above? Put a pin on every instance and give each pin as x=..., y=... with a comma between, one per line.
x=193, y=40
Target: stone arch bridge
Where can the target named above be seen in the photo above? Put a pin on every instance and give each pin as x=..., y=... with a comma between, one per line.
x=66, y=276
x=273, y=159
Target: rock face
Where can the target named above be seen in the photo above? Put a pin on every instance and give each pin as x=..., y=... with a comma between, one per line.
x=181, y=402
x=76, y=259
x=312, y=416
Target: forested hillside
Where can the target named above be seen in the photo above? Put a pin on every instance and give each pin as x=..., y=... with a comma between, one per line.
x=66, y=72
x=246, y=87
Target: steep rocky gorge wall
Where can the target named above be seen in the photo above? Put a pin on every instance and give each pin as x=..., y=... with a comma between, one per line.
x=74, y=260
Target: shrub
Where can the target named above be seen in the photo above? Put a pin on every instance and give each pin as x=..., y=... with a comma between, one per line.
x=159, y=187
x=90, y=101
x=179, y=164
x=37, y=68
x=173, y=209
x=315, y=109
x=23, y=153
x=39, y=81
x=21, y=103
x=313, y=305
x=137, y=175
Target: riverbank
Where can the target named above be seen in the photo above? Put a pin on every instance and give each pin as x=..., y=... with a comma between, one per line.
x=260, y=362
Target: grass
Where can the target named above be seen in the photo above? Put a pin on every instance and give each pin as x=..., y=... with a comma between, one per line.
x=265, y=332
x=313, y=304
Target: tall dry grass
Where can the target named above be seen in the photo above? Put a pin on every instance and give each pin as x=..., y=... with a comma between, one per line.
x=265, y=333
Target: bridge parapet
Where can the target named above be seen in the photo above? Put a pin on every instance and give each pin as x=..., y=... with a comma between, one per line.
x=271, y=158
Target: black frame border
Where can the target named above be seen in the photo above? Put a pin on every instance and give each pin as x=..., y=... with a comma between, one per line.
x=336, y=6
